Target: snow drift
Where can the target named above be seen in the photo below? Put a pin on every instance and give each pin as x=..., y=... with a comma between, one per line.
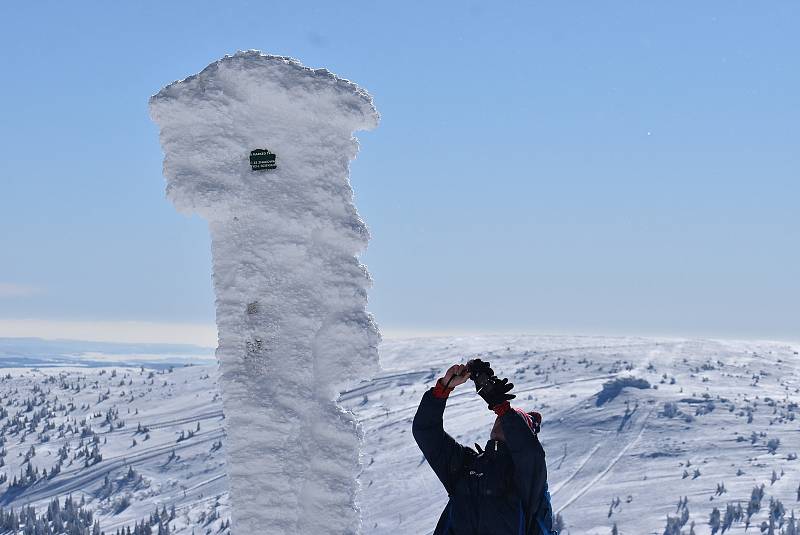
x=290, y=293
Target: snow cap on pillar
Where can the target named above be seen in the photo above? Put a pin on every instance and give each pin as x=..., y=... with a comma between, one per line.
x=248, y=101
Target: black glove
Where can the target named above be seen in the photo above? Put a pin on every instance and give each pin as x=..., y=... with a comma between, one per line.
x=495, y=391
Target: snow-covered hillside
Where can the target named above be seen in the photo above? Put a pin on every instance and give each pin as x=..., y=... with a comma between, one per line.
x=716, y=414
x=126, y=441
x=718, y=420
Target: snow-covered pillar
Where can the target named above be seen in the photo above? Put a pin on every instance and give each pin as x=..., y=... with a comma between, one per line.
x=290, y=292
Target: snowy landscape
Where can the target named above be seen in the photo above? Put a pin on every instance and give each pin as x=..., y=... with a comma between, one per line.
x=643, y=436
x=240, y=241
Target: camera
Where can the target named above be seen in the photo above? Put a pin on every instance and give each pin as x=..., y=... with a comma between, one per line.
x=481, y=373
x=488, y=386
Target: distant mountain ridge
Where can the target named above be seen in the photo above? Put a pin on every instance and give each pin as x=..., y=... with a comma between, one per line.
x=40, y=352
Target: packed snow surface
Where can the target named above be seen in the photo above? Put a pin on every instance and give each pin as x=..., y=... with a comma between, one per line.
x=718, y=422
x=290, y=293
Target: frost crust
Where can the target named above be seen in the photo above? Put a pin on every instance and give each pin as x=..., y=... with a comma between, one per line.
x=291, y=294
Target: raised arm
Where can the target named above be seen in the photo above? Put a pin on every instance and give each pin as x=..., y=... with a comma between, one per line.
x=441, y=450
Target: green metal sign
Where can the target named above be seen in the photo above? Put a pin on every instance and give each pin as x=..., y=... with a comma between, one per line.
x=261, y=159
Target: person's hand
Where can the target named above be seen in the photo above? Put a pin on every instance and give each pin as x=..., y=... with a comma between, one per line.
x=456, y=375
x=496, y=391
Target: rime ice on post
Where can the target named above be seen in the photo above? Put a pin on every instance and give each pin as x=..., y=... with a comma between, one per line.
x=290, y=292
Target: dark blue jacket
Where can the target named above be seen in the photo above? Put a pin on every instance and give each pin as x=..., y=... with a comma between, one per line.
x=501, y=491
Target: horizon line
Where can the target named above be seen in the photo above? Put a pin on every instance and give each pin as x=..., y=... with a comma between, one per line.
x=204, y=335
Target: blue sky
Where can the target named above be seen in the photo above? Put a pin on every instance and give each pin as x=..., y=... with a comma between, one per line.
x=591, y=167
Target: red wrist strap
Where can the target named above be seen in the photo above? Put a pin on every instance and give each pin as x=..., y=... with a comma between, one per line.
x=502, y=408
x=440, y=391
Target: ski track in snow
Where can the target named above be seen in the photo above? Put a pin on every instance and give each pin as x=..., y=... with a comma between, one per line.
x=603, y=471
x=560, y=484
x=82, y=478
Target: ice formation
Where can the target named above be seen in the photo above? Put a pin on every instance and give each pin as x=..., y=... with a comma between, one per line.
x=290, y=292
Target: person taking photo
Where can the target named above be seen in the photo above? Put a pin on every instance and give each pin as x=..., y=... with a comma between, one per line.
x=500, y=489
